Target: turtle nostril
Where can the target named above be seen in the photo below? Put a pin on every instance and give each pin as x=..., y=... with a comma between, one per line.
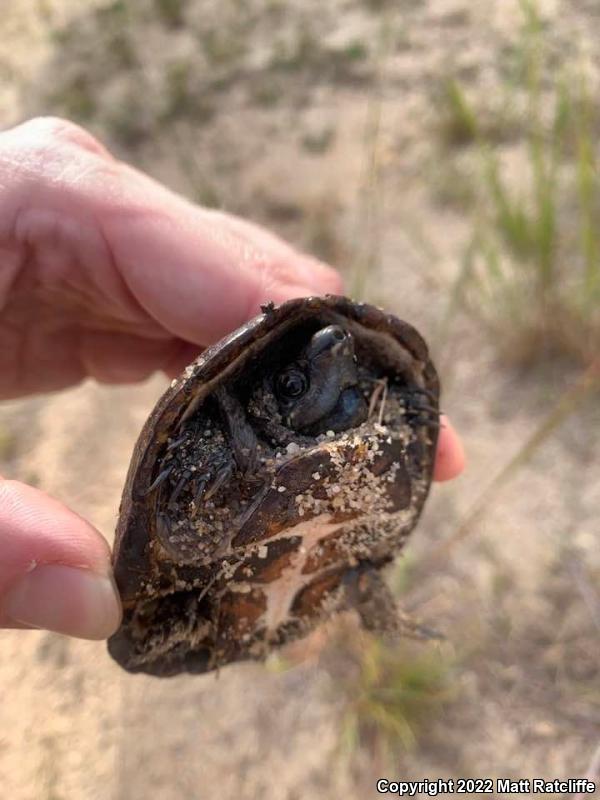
x=325, y=339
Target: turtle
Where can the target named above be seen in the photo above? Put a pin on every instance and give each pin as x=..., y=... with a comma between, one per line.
x=271, y=484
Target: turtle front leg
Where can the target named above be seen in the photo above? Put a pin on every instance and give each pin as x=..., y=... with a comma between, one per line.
x=242, y=438
x=205, y=474
x=370, y=596
x=240, y=458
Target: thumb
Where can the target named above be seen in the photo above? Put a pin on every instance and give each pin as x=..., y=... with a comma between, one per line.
x=54, y=567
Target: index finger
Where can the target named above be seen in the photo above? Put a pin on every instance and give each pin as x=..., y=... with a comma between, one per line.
x=450, y=455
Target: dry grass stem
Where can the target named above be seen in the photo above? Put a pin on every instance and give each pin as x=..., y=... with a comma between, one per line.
x=567, y=405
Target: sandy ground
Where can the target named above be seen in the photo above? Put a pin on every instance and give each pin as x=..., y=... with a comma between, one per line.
x=344, y=160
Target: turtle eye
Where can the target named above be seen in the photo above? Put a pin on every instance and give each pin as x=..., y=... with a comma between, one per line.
x=291, y=384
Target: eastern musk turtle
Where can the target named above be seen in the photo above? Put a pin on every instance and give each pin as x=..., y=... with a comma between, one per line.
x=271, y=483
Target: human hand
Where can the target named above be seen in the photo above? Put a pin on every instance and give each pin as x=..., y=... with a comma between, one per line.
x=104, y=273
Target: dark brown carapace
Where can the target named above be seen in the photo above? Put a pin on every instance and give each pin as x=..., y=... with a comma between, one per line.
x=271, y=484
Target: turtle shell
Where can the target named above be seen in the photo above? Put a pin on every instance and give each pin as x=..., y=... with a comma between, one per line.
x=250, y=503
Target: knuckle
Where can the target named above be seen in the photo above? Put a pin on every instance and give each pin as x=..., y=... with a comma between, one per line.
x=50, y=131
x=13, y=494
x=52, y=158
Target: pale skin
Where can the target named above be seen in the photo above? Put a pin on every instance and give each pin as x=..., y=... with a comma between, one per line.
x=105, y=273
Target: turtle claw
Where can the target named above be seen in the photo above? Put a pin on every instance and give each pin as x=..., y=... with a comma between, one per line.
x=206, y=485
x=160, y=479
x=220, y=477
x=180, y=486
x=419, y=408
x=200, y=488
x=368, y=593
x=411, y=629
x=430, y=423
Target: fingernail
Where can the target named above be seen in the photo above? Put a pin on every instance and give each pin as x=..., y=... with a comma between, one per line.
x=67, y=600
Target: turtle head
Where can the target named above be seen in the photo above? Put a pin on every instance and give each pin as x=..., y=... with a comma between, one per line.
x=319, y=390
